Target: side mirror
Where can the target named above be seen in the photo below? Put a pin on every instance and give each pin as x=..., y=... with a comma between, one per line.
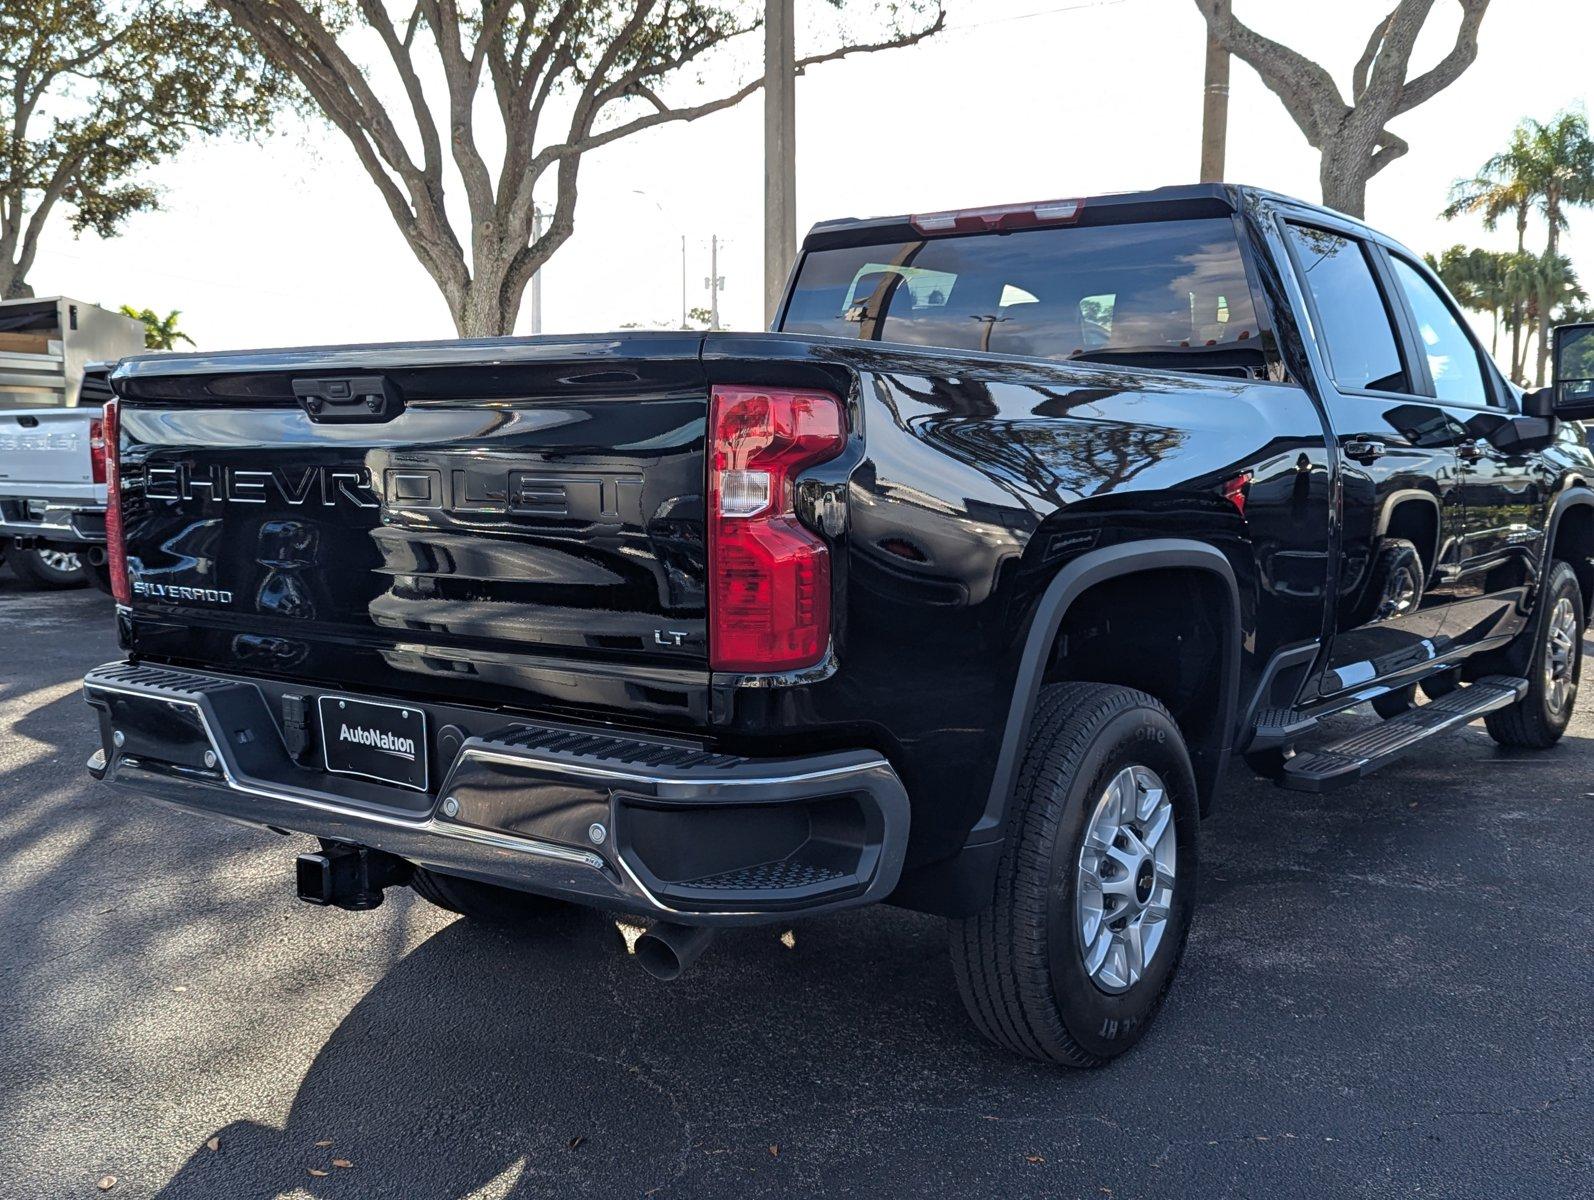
x=1574, y=372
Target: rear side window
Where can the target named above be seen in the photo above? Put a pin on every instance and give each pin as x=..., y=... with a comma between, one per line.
x=1452, y=356
x=1162, y=293
x=1354, y=323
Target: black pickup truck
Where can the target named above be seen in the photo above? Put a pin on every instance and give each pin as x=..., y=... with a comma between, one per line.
x=958, y=590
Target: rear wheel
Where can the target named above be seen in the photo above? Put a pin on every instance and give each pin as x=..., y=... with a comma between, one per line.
x=1096, y=885
x=49, y=566
x=482, y=902
x=1554, y=650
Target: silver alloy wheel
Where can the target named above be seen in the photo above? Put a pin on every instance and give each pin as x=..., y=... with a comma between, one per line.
x=1126, y=876
x=60, y=560
x=1560, y=656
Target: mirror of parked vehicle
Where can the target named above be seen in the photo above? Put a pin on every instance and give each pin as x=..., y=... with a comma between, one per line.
x=1574, y=372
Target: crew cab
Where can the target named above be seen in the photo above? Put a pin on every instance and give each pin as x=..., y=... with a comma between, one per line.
x=52, y=489
x=958, y=590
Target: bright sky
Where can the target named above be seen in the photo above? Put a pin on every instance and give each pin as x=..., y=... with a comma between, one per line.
x=1018, y=100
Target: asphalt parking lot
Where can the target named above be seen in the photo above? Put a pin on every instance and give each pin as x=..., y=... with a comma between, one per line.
x=1388, y=993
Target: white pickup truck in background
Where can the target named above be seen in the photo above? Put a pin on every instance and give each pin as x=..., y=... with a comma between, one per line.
x=52, y=490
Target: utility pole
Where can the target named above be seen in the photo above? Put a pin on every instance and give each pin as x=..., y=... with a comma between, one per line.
x=714, y=282
x=1215, y=109
x=536, y=276
x=780, y=148
x=684, y=325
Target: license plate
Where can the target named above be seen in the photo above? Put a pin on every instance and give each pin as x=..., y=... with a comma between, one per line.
x=385, y=742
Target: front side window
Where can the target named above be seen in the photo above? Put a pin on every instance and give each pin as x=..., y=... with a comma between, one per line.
x=1355, y=329
x=1161, y=293
x=1452, y=356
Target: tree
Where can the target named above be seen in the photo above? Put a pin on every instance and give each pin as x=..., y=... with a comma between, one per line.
x=1499, y=187
x=93, y=92
x=1476, y=278
x=1562, y=175
x=565, y=78
x=1549, y=166
x=1519, y=283
x=1354, y=136
x=160, y=333
x=1550, y=285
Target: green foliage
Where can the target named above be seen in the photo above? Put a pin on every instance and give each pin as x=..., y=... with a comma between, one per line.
x=160, y=333
x=412, y=86
x=1547, y=168
x=93, y=92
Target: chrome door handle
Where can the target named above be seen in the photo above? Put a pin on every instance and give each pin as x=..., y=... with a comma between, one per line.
x=1470, y=451
x=1364, y=449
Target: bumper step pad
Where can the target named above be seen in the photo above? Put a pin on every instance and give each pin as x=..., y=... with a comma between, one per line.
x=1344, y=762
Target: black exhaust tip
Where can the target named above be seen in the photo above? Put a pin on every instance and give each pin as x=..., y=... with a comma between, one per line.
x=666, y=951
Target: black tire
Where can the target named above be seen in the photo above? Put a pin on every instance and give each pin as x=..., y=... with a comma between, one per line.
x=1536, y=721
x=1019, y=964
x=1437, y=687
x=34, y=566
x=482, y=902
x=1393, y=704
x=99, y=576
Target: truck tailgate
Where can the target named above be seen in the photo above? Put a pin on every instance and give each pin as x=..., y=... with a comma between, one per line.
x=44, y=453
x=521, y=524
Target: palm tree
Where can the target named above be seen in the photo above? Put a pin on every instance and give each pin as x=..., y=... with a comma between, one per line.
x=1518, y=289
x=1562, y=175
x=1500, y=187
x=1549, y=166
x=1480, y=280
x=1553, y=287
x=160, y=333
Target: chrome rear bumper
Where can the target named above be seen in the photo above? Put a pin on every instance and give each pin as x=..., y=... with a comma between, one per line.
x=632, y=824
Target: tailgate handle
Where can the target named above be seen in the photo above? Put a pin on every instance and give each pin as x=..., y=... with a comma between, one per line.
x=349, y=399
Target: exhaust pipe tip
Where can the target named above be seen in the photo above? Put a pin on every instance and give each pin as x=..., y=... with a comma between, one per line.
x=666, y=951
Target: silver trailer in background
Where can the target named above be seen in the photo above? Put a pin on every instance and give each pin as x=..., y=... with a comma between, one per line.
x=45, y=344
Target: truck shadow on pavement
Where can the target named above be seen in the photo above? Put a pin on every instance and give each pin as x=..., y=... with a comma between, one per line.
x=543, y=1062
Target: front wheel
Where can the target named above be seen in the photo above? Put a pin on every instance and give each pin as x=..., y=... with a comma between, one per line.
x=1555, y=646
x=1096, y=886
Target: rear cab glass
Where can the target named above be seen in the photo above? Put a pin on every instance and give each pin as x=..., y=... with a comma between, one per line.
x=1172, y=294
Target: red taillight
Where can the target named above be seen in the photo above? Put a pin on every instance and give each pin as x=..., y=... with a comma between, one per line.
x=115, y=543
x=999, y=218
x=1236, y=490
x=97, y=448
x=769, y=602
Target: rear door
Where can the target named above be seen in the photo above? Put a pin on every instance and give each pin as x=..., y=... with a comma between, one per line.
x=1504, y=492
x=1399, y=468
x=503, y=524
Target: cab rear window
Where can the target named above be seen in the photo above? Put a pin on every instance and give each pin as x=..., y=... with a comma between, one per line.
x=1165, y=293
